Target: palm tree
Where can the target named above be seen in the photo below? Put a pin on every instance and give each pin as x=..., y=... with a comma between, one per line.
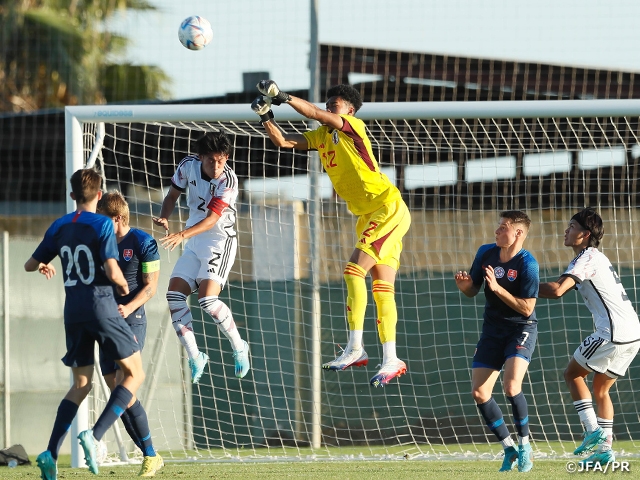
x=55, y=53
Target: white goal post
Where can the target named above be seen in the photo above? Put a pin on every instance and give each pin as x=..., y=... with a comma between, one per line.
x=458, y=165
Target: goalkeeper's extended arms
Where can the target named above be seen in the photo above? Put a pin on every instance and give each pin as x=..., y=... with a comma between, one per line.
x=262, y=106
x=303, y=107
x=271, y=90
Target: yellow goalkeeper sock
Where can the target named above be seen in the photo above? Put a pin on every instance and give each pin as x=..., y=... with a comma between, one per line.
x=384, y=296
x=356, y=295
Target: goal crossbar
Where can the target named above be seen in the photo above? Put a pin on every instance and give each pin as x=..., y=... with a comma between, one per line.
x=369, y=111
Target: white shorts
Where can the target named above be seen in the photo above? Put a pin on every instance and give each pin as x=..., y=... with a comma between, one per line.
x=206, y=258
x=602, y=356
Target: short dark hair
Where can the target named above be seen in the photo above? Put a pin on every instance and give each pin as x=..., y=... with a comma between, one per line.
x=516, y=216
x=85, y=185
x=589, y=219
x=347, y=93
x=213, y=142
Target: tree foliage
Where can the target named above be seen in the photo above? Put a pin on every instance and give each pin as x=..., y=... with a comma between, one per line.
x=55, y=53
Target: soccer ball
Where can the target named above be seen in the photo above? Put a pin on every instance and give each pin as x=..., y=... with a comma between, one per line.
x=195, y=32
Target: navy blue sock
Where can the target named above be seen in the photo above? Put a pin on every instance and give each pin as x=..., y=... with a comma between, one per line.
x=66, y=413
x=140, y=423
x=128, y=426
x=117, y=404
x=520, y=414
x=492, y=415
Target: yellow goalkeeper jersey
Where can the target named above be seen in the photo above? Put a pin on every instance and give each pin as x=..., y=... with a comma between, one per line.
x=347, y=158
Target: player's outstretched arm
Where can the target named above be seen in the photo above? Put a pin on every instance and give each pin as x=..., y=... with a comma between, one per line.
x=262, y=107
x=465, y=284
x=115, y=276
x=168, y=204
x=303, y=107
x=556, y=289
x=173, y=240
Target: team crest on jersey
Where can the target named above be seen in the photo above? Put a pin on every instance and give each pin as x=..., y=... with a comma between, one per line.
x=499, y=272
x=334, y=137
x=512, y=274
x=212, y=188
x=127, y=254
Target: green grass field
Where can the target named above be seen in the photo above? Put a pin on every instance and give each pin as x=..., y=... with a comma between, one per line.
x=358, y=469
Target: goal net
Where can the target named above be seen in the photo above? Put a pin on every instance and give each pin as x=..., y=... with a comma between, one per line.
x=458, y=166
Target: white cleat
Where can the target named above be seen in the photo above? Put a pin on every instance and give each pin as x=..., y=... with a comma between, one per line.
x=349, y=358
x=390, y=370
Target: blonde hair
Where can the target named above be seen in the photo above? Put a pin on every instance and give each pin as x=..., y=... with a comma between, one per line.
x=113, y=204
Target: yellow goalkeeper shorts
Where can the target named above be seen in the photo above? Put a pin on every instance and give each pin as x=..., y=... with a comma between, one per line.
x=380, y=233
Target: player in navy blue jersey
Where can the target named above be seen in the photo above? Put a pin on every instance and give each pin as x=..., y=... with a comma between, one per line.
x=86, y=245
x=511, y=277
x=140, y=265
x=212, y=189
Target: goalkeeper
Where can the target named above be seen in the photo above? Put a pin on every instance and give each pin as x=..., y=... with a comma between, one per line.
x=383, y=217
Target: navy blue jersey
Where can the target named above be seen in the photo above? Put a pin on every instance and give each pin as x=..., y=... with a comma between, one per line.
x=138, y=255
x=520, y=276
x=83, y=241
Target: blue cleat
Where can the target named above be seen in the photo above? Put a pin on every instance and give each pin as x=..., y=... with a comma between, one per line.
x=350, y=358
x=47, y=466
x=241, y=358
x=90, y=446
x=388, y=371
x=510, y=459
x=525, y=458
x=197, y=366
x=601, y=457
x=591, y=441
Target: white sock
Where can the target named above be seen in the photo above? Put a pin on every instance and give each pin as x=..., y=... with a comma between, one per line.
x=181, y=320
x=355, y=340
x=222, y=317
x=523, y=440
x=388, y=352
x=507, y=442
x=587, y=414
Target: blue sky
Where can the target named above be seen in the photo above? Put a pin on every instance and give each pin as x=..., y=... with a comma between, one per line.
x=253, y=35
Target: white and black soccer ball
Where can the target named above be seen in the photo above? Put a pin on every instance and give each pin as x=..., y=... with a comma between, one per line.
x=195, y=32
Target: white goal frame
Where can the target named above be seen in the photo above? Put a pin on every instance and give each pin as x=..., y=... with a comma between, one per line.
x=76, y=116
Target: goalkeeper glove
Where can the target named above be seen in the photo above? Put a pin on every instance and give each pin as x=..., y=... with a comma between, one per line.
x=262, y=106
x=270, y=89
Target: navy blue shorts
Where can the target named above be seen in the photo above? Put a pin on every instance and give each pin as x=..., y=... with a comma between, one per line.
x=114, y=337
x=496, y=344
x=107, y=365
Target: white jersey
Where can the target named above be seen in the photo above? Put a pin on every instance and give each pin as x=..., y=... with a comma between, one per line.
x=204, y=193
x=597, y=281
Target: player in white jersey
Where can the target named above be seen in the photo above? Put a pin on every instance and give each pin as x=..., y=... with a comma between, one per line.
x=608, y=351
x=211, y=247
